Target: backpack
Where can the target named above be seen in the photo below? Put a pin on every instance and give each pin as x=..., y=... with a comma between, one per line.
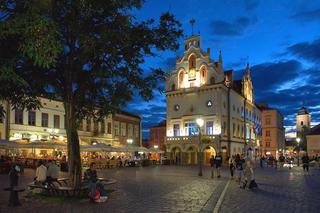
x=253, y=184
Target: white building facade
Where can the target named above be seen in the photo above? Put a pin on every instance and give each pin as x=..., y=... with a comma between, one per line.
x=199, y=87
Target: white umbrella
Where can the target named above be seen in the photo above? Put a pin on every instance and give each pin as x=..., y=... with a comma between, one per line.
x=154, y=150
x=44, y=145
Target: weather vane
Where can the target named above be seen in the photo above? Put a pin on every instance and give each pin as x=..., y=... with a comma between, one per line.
x=192, y=22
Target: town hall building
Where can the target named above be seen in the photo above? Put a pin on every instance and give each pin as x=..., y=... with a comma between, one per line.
x=199, y=87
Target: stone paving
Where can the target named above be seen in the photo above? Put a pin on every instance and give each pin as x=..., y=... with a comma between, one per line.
x=279, y=190
x=179, y=189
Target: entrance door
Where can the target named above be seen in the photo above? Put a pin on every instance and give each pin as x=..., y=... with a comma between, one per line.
x=208, y=152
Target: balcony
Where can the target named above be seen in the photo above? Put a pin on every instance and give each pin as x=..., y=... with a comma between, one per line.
x=190, y=139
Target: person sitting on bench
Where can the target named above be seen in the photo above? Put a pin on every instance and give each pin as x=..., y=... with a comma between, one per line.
x=91, y=178
x=52, y=172
x=41, y=173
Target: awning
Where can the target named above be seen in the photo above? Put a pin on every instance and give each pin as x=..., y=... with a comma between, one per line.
x=8, y=144
x=43, y=145
x=154, y=150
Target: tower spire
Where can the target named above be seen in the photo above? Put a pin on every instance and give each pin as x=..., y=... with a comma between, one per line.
x=248, y=70
x=192, y=22
x=220, y=58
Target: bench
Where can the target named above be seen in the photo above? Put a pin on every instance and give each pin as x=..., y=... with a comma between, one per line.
x=14, y=195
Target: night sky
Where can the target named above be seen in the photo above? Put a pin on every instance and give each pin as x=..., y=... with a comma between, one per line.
x=279, y=39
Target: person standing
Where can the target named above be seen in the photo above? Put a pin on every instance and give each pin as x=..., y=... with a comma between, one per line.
x=239, y=167
x=305, y=161
x=231, y=165
x=261, y=161
x=218, y=163
x=212, y=166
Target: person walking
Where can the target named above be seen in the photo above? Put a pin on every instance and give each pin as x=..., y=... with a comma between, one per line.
x=218, y=163
x=305, y=162
x=212, y=166
x=232, y=165
x=261, y=161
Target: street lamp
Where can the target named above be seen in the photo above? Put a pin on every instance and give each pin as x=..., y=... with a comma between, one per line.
x=200, y=123
x=129, y=141
x=298, y=141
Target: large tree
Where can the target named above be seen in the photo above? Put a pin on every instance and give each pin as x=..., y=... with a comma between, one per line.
x=87, y=52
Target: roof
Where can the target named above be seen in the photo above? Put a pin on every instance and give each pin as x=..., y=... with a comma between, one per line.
x=303, y=111
x=314, y=130
x=128, y=114
x=161, y=124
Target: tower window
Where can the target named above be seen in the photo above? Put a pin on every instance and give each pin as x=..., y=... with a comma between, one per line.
x=192, y=62
x=301, y=123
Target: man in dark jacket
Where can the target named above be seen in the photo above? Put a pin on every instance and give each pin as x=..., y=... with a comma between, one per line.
x=212, y=166
x=305, y=161
x=91, y=178
x=218, y=163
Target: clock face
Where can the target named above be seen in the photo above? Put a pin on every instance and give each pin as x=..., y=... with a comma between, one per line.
x=209, y=103
x=176, y=107
x=192, y=74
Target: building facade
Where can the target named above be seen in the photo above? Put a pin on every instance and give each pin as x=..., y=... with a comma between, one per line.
x=48, y=123
x=313, y=141
x=199, y=87
x=273, y=132
x=158, y=135
x=303, y=121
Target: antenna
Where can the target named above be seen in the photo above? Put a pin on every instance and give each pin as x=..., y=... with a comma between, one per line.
x=192, y=22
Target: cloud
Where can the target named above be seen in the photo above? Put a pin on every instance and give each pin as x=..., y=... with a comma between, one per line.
x=251, y=4
x=234, y=28
x=306, y=50
x=305, y=16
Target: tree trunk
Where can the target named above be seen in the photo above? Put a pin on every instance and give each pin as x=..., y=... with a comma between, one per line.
x=74, y=160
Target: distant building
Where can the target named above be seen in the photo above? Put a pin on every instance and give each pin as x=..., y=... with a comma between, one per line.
x=303, y=121
x=145, y=143
x=157, y=135
x=313, y=141
x=199, y=87
x=273, y=132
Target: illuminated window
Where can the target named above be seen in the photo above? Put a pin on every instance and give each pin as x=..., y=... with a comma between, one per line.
x=268, y=121
x=176, y=130
x=123, y=129
x=116, y=128
x=181, y=80
x=209, y=128
x=203, y=75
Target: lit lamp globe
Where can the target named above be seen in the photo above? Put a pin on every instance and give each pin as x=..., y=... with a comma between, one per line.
x=156, y=146
x=298, y=140
x=200, y=122
x=129, y=141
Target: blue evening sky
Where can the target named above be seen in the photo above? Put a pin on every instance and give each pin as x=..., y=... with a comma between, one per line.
x=280, y=40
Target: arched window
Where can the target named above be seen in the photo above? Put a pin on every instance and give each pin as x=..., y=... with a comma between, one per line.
x=181, y=79
x=203, y=75
x=192, y=62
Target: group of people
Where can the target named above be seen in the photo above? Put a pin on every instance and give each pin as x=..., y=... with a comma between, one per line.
x=46, y=174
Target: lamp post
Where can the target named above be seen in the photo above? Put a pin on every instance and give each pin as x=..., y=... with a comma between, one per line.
x=200, y=123
x=298, y=141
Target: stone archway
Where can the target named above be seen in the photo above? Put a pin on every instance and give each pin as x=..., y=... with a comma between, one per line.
x=176, y=155
x=191, y=155
x=208, y=151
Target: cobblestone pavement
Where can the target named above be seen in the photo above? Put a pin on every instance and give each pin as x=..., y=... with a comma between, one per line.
x=143, y=189
x=279, y=190
x=179, y=189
